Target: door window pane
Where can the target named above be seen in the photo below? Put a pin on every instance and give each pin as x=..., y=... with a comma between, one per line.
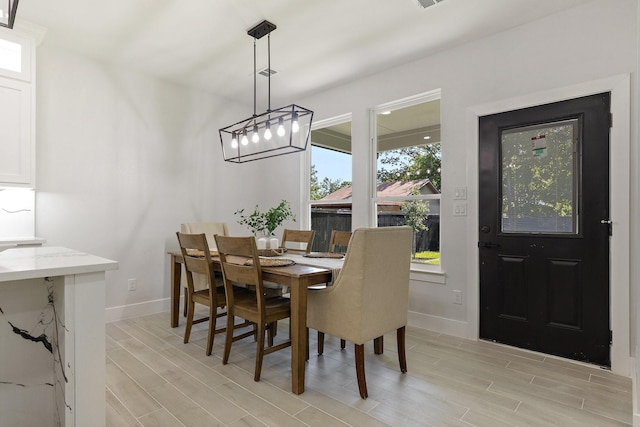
x=539, y=177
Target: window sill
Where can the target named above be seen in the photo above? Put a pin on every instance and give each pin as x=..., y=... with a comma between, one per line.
x=428, y=276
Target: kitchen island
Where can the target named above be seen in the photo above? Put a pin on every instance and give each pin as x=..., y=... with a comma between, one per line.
x=52, y=337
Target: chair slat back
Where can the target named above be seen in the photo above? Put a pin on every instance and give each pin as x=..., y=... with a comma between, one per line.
x=339, y=241
x=301, y=239
x=197, y=258
x=234, y=253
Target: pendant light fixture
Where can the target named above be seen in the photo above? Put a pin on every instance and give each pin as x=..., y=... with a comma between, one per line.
x=273, y=133
x=8, y=12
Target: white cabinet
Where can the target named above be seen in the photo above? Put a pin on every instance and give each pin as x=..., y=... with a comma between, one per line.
x=17, y=104
x=17, y=145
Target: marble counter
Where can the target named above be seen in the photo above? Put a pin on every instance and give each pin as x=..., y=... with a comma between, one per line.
x=52, y=338
x=29, y=262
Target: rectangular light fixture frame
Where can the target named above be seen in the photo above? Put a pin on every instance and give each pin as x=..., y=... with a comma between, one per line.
x=290, y=142
x=8, y=13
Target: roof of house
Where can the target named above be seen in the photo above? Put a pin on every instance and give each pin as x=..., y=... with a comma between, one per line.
x=389, y=189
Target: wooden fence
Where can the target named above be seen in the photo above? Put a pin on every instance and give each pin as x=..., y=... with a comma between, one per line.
x=325, y=220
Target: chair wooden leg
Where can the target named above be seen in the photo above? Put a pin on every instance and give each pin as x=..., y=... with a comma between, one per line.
x=320, y=342
x=343, y=344
x=402, y=354
x=362, y=380
x=228, y=337
x=212, y=329
x=187, y=329
x=186, y=301
x=271, y=332
x=378, y=345
x=259, y=352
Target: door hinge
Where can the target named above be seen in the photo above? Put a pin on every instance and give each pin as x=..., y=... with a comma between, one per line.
x=610, y=337
x=610, y=120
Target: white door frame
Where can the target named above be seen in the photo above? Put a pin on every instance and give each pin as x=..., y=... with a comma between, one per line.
x=620, y=89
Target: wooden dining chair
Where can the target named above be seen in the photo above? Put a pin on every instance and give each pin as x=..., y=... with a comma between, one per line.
x=197, y=262
x=209, y=229
x=339, y=241
x=241, y=265
x=297, y=240
x=370, y=295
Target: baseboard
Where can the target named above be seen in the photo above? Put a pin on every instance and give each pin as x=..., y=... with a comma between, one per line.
x=113, y=314
x=634, y=388
x=438, y=324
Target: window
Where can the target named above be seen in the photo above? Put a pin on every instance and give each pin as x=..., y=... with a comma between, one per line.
x=539, y=173
x=17, y=50
x=330, y=179
x=407, y=171
x=10, y=56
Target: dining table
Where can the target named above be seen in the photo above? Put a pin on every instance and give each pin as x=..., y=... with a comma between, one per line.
x=307, y=270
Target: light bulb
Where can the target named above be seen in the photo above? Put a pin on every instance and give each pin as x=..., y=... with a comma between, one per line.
x=267, y=131
x=234, y=140
x=280, y=127
x=255, y=137
x=244, y=140
x=294, y=123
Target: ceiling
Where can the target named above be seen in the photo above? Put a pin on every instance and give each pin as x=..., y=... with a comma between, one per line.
x=317, y=45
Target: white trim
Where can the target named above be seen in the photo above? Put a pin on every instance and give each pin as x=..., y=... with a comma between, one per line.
x=619, y=86
x=634, y=392
x=427, y=276
x=438, y=324
x=113, y=314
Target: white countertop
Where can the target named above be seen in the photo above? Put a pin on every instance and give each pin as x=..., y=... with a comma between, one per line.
x=48, y=261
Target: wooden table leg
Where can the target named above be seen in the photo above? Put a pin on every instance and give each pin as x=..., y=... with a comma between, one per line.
x=298, y=336
x=176, y=271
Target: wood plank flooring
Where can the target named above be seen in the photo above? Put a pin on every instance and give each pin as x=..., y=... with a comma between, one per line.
x=153, y=379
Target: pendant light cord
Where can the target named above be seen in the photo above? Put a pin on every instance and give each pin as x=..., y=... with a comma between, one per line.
x=254, y=77
x=269, y=71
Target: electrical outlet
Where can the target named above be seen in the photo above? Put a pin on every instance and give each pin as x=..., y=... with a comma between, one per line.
x=132, y=284
x=457, y=297
x=459, y=209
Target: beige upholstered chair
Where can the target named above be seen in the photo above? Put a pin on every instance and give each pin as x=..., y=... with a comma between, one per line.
x=241, y=265
x=338, y=243
x=197, y=263
x=297, y=240
x=370, y=295
x=209, y=229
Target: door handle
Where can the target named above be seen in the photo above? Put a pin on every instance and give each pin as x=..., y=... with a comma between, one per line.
x=490, y=245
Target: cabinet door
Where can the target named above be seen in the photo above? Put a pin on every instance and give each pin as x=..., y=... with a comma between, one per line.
x=16, y=144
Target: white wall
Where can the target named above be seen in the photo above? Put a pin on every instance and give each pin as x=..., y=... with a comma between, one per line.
x=123, y=159
x=593, y=41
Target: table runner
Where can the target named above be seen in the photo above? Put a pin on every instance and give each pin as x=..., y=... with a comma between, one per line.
x=335, y=265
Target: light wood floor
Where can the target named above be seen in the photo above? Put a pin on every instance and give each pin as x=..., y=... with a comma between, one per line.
x=153, y=379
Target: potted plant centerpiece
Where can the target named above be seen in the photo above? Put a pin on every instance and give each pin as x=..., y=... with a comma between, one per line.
x=263, y=224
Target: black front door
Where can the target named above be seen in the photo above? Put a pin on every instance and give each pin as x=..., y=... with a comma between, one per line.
x=544, y=230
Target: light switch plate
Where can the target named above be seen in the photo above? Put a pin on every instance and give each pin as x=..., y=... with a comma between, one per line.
x=460, y=193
